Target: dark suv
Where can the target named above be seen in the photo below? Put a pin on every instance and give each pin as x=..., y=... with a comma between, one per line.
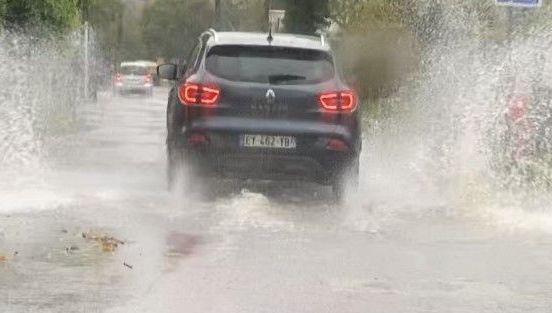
x=257, y=106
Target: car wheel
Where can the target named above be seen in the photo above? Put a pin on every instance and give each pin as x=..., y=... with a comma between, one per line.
x=347, y=181
x=182, y=174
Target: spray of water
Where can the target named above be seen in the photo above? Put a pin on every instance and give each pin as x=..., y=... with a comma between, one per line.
x=42, y=88
x=43, y=85
x=450, y=146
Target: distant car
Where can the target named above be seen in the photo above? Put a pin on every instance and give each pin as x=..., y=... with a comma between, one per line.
x=528, y=115
x=152, y=70
x=252, y=106
x=133, y=77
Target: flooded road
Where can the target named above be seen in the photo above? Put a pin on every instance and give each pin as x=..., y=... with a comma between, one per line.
x=95, y=230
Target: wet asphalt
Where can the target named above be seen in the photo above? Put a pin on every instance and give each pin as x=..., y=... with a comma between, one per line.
x=95, y=230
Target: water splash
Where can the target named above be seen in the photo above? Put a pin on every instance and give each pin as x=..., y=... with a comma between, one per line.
x=42, y=87
x=446, y=148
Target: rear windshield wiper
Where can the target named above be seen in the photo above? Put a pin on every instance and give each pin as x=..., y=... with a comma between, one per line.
x=275, y=79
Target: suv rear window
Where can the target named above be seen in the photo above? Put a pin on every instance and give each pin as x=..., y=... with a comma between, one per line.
x=275, y=65
x=134, y=70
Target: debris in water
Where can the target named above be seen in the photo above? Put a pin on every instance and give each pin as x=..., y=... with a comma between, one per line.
x=3, y=258
x=127, y=265
x=71, y=249
x=107, y=243
x=108, y=246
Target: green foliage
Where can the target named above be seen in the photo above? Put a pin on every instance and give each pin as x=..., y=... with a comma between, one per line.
x=277, y=4
x=106, y=19
x=381, y=41
x=245, y=15
x=170, y=27
x=306, y=16
x=375, y=47
x=3, y=6
x=356, y=15
x=40, y=15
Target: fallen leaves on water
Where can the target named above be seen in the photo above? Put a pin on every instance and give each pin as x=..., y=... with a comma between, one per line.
x=3, y=258
x=107, y=243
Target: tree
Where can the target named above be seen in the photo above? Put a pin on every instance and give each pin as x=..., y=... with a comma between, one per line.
x=306, y=16
x=244, y=15
x=106, y=19
x=40, y=15
x=170, y=27
x=374, y=46
x=3, y=5
x=361, y=15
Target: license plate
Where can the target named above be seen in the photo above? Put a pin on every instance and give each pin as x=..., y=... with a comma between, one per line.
x=266, y=141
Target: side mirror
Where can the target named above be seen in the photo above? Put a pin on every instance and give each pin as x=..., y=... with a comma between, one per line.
x=167, y=71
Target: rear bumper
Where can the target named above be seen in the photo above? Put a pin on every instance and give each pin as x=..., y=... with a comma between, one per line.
x=320, y=169
x=223, y=156
x=133, y=88
x=237, y=125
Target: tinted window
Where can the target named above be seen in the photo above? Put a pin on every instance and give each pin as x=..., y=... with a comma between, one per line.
x=134, y=70
x=270, y=64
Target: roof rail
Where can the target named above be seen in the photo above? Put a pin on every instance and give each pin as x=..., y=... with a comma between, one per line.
x=322, y=39
x=322, y=35
x=211, y=31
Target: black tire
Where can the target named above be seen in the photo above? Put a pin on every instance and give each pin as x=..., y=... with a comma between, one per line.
x=183, y=171
x=346, y=182
x=183, y=174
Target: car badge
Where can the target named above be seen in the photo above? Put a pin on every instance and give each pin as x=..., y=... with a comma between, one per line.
x=270, y=96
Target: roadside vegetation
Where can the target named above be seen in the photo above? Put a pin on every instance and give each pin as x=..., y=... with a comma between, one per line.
x=40, y=16
x=381, y=42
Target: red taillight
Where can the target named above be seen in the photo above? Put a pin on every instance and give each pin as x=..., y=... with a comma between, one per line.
x=336, y=145
x=338, y=101
x=198, y=94
x=518, y=105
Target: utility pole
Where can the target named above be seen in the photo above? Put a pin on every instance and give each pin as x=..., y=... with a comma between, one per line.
x=218, y=15
x=86, y=61
x=84, y=11
x=119, y=39
x=268, y=7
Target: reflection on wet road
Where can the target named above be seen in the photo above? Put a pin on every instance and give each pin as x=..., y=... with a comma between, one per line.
x=96, y=231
